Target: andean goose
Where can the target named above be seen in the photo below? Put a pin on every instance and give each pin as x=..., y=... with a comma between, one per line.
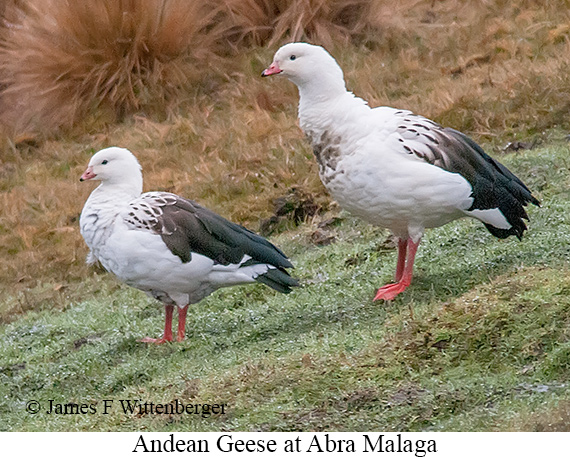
x=172, y=248
x=394, y=168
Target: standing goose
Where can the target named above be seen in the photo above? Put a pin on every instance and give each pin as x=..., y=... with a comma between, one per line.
x=394, y=168
x=172, y=248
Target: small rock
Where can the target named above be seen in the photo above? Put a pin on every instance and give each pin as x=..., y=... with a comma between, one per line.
x=322, y=237
x=296, y=206
x=518, y=145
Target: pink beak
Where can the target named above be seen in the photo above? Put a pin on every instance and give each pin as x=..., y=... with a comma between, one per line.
x=87, y=174
x=273, y=69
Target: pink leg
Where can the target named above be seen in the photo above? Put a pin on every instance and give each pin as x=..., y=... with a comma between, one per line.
x=390, y=291
x=167, y=328
x=402, y=249
x=181, y=323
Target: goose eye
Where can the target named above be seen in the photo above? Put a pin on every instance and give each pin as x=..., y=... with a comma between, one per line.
x=105, y=162
x=293, y=57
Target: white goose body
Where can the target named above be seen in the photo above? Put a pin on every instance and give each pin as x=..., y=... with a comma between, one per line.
x=172, y=248
x=382, y=185
x=140, y=258
x=394, y=168
x=125, y=253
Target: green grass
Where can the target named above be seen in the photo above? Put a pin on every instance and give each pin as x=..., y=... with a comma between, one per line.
x=487, y=347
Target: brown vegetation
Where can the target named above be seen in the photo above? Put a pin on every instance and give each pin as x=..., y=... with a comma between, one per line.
x=62, y=60
x=270, y=22
x=479, y=65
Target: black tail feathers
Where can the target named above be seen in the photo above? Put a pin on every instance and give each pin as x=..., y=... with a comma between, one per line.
x=278, y=279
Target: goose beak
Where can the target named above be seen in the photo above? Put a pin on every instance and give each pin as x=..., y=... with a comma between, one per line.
x=273, y=69
x=87, y=174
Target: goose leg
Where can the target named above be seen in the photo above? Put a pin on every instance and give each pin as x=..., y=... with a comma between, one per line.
x=390, y=291
x=169, y=309
x=181, y=323
x=402, y=250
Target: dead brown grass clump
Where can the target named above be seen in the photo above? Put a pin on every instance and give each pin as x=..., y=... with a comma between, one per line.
x=271, y=22
x=477, y=66
x=61, y=58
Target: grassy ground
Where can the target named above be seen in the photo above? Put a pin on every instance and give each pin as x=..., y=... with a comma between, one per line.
x=487, y=347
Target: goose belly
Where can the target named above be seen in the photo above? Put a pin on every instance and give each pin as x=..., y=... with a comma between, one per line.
x=404, y=197
x=142, y=260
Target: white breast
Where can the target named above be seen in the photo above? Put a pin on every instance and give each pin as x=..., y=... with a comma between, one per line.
x=97, y=221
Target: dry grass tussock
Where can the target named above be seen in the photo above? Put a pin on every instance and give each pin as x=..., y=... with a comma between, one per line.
x=61, y=59
x=270, y=22
x=479, y=65
x=206, y=126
